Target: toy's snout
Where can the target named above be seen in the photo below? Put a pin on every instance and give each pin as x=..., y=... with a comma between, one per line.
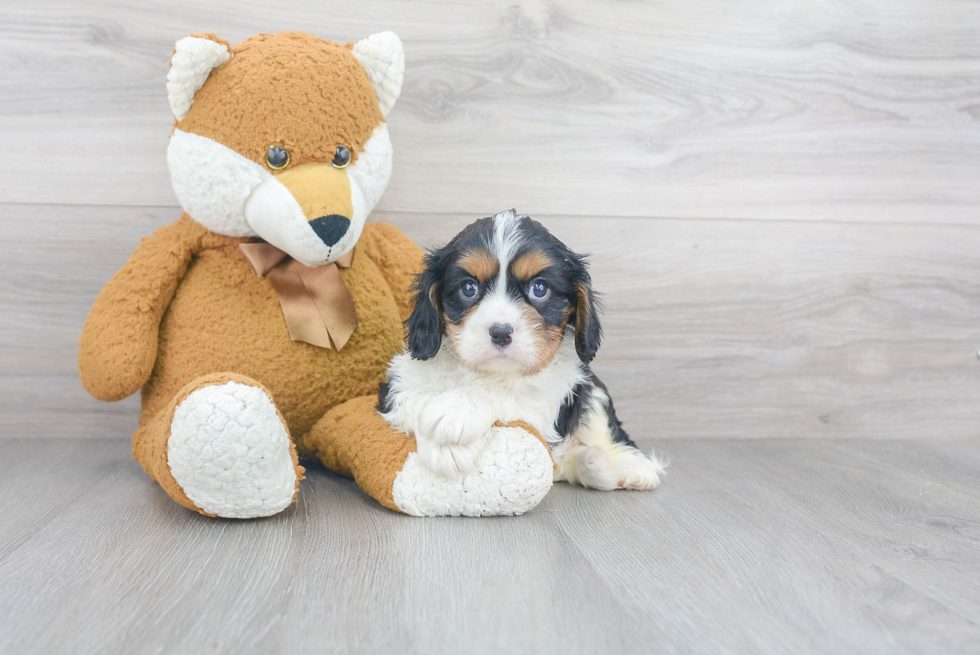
x=314, y=212
x=323, y=193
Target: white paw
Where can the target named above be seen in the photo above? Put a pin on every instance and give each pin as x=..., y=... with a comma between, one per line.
x=447, y=419
x=595, y=469
x=449, y=460
x=617, y=468
x=513, y=473
x=638, y=472
x=230, y=453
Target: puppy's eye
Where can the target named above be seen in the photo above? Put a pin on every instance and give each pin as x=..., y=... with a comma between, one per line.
x=538, y=290
x=277, y=158
x=469, y=289
x=342, y=157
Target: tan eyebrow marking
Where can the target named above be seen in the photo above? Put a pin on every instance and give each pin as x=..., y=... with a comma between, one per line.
x=530, y=264
x=479, y=263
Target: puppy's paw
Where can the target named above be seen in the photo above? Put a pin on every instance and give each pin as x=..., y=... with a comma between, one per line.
x=616, y=468
x=451, y=461
x=638, y=472
x=594, y=469
x=449, y=420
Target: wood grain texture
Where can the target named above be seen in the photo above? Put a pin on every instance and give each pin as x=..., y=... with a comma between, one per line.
x=713, y=328
x=765, y=547
x=836, y=110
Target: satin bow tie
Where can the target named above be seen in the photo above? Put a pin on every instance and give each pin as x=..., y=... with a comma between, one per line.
x=316, y=303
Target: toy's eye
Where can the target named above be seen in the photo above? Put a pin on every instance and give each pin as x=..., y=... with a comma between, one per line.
x=277, y=158
x=469, y=289
x=538, y=291
x=342, y=157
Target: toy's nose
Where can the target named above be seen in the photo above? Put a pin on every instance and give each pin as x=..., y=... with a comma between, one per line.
x=330, y=229
x=500, y=334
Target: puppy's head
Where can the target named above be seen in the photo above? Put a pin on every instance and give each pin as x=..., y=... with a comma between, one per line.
x=505, y=292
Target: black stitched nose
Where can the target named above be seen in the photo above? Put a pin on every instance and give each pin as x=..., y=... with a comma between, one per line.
x=500, y=334
x=330, y=228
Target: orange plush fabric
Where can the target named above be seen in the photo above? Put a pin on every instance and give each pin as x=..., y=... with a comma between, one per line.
x=254, y=100
x=188, y=311
x=188, y=304
x=353, y=439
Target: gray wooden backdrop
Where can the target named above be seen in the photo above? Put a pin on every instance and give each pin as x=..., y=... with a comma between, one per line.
x=781, y=197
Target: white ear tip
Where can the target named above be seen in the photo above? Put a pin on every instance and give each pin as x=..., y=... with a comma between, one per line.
x=383, y=57
x=194, y=59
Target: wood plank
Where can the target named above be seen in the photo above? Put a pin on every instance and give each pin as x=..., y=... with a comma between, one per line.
x=798, y=541
x=713, y=328
x=768, y=546
x=827, y=111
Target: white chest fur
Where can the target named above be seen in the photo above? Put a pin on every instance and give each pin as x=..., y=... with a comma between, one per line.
x=535, y=399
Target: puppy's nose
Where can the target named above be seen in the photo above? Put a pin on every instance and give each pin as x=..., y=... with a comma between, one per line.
x=500, y=334
x=330, y=229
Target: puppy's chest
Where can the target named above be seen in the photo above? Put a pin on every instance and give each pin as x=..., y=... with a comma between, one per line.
x=535, y=403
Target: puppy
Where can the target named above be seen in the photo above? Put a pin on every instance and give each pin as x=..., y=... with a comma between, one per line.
x=504, y=326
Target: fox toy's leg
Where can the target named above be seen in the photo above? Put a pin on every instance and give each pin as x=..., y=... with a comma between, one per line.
x=514, y=473
x=222, y=449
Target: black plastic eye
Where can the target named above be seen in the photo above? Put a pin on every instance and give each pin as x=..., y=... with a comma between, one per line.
x=342, y=157
x=539, y=290
x=277, y=158
x=469, y=289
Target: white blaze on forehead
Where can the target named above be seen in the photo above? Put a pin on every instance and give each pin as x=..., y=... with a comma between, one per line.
x=506, y=241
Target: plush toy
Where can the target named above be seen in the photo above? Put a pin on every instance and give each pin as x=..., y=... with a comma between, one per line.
x=260, y=324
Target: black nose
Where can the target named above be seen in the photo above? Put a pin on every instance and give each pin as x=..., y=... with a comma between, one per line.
x=500, y=334
x=330, y=228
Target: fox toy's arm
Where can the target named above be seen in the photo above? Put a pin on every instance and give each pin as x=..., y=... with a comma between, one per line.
x=118, y=347
x=398, y=258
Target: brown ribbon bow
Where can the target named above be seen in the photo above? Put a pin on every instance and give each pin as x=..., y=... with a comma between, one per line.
x=315, y=301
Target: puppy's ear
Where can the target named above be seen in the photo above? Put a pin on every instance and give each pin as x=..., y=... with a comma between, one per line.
x=424, y=326
x=588, y=331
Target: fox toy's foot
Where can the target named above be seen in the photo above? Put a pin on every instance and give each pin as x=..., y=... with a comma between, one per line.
x=513, y=473
x=514, y=469
x=222, y=449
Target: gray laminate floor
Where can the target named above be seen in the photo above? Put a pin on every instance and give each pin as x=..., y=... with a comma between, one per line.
x=772, y=546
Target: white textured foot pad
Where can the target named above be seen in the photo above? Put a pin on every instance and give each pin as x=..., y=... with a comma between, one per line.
x=515, y=472
x=229, y=452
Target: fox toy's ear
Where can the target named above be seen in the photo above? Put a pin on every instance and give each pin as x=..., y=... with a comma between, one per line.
x=193, y=60
x=383, y=57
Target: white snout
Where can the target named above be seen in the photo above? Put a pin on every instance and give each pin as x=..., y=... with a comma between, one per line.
x=273, y=213
x=476, y=347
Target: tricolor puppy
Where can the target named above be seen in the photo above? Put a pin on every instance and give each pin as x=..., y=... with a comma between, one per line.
x=504, y=327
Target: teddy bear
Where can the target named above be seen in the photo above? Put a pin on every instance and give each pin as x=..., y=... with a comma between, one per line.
x=259, y=325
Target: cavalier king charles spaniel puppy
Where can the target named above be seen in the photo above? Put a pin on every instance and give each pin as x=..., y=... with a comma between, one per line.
x=504, y=326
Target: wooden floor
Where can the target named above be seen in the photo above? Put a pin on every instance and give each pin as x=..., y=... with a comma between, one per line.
x=766, y=546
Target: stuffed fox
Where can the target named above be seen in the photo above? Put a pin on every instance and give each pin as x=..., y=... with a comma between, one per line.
x=260, y=324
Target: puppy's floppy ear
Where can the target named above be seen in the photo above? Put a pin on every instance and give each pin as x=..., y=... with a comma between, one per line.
x=588, y=331
x=425, y=327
